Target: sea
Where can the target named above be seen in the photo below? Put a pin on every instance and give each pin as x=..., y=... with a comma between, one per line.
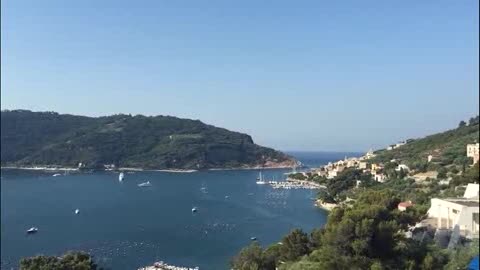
x=125, y=226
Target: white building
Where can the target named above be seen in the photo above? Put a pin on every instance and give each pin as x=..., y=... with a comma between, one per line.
x=472, y=151
x=369, y=154
x=362, y=165
x=379, y=177
x=402, y=166
x=463, y=212
x=332, y=174
x=471, y=191
x=399, y=144
x=429, y=158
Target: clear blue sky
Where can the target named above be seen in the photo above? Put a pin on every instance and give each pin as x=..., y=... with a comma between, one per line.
x=296, y=75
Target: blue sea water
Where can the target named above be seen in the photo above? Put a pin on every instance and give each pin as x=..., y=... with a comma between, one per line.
x=125, y=226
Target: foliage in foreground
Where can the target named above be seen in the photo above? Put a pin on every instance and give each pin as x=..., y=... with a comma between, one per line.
x=69, y=261
x=366, y=235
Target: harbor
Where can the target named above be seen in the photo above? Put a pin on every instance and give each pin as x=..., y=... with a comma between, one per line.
x=295, y=184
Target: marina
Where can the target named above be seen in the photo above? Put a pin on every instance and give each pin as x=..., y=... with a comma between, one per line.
x=294, y=184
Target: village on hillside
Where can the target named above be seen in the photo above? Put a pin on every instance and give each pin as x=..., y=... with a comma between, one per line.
x=448, y=218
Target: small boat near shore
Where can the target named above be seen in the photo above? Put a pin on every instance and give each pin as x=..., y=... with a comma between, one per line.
x=121, y=176
x=57, y=174
x=145, y=184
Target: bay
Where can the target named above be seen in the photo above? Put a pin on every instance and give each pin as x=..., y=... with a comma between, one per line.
x=125, y=226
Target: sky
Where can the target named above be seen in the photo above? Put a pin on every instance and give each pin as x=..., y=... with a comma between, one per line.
x=295, y=75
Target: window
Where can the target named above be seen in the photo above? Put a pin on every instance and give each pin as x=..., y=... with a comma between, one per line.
x=455, y=211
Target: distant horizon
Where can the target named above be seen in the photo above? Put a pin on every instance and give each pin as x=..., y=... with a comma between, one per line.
x=302, y=75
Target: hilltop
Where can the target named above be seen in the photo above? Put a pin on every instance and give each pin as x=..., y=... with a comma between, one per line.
x=150, y=142
x=446, y=148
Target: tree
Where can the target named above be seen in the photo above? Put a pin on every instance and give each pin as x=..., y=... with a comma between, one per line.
x=294, y=245
x=473, y=120
x=69, y=261
x=251, y=258
x=462, y=124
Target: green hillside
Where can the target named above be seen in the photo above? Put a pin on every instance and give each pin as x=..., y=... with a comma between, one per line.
x=158, y=142
x=447, y=148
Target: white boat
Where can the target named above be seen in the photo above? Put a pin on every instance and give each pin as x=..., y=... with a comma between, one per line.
x=145, y=184
x=77, y=211
x=194, y=209
x=121, y=176
x=260, y=180
x=32, y=230
x=57, y=174
x=253, y=238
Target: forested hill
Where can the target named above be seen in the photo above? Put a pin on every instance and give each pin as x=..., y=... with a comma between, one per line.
x=158, y=142
x=446, y=148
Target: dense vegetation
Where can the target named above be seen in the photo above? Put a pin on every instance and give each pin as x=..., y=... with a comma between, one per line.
x=364, y=235
x=366, y=230
x=159, y=142
x=69, y=261
x=447, y=148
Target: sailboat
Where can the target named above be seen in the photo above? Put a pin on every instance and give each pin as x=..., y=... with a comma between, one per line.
x=121, y=176
x=260, y=180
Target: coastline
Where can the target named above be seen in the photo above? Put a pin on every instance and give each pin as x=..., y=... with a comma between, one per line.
x=135, y=169
x=325, y=206
x=38, y=168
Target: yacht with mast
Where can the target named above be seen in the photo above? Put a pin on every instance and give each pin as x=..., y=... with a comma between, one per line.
x=260, y=180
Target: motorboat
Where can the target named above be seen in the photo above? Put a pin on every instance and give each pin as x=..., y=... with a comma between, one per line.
x=145, y=184
x=253, y=238
x=121, y=176
x=32, y=230
x=194, y=209
x=57, y=174
x=77, y=211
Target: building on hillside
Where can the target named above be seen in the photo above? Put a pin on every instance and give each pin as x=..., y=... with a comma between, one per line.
x=463, y=212
x=402, y=167
x=399, y=144
x=358, y=183
x=429, y=158
x=369, y=154
x=390, y=147
x=404, y=205
x=472, y=191
x=362, y=165
x=332, y=174
x=472, y=151
x=378, y=176
x=321, y=172
x=376, y=167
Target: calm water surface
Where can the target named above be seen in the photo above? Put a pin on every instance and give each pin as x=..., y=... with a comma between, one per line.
x=125, y=226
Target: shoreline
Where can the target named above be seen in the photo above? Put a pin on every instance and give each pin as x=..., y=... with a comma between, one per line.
x=134, y=169
x=325, y=206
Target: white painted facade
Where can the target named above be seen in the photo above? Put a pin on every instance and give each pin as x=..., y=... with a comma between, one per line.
x=461, y=212
x=472, y=191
